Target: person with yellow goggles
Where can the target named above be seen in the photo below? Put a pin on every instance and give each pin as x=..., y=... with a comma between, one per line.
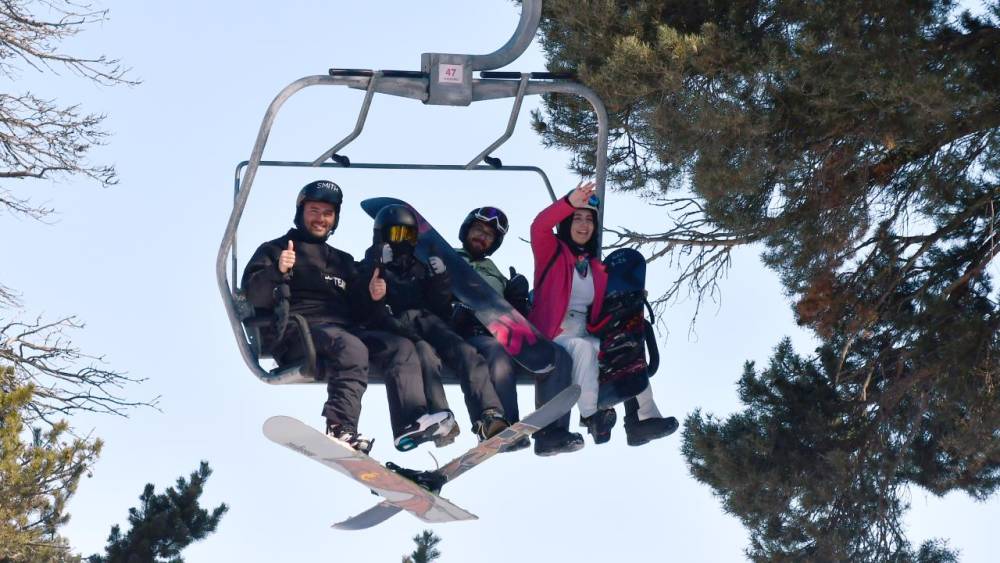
x=418, y=299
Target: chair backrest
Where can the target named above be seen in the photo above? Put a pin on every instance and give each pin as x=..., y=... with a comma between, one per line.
x=253, y=321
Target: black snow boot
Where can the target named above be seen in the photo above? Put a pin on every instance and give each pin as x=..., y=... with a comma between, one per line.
x=599, y=425
x=519, y=444
x=639, y=432
x=557, y=441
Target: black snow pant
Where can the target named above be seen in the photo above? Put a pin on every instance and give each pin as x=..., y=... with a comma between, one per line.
x=462, y=358
x=342, y=360
x=504, y=372
x=431, y=368
x=395, y=357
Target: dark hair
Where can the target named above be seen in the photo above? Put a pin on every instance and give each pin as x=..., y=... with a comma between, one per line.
x=563, y=234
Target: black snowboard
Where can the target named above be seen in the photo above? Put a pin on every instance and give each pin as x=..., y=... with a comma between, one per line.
x=519, y=337
x=623, y=369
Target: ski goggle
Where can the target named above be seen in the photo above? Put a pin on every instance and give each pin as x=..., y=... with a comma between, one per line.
x=401, y=233
x=492, y=216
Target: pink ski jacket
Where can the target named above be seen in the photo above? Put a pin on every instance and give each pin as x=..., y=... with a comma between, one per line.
x=552, y=293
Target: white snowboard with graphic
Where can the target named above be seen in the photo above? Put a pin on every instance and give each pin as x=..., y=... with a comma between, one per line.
x=398, y=492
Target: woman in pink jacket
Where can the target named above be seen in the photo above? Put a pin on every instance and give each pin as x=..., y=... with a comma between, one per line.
x=569, y=290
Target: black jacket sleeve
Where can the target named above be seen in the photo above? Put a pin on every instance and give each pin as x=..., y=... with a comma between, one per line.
x=370, y=313
x=261, y=276
x=364, y=310
x=437, y=293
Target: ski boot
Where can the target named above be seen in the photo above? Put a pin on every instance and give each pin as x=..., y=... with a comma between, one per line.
x=426, y=428
x=350, y=437
x=430, y=480
x=599, y=424
x=491, y=422
x=556, y=441
x=639, y=432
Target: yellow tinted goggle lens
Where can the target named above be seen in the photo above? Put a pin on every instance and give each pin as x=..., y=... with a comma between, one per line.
x=401, y=233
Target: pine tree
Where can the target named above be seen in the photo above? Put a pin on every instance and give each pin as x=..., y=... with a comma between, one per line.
x=39, y=471
x=426, y=550
x=859, y=144
x=164, y=524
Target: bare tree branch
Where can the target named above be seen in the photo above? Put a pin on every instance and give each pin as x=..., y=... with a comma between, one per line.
x=40, y=139
x=36, y=42
x=65, y=379
x=699, y=251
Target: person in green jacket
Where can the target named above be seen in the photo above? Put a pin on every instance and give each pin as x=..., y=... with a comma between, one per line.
x=481, y=234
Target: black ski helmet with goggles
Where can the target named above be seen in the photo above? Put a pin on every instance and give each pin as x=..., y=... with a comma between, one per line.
x=492, y=216
x=396, y=225
x=323, y=191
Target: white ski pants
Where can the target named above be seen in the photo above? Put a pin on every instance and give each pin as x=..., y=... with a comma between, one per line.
x=583, y=348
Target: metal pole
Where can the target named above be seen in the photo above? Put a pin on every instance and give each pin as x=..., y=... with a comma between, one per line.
x=531, y=14
x=358, y=126
x=488, y=89
x=511, y=122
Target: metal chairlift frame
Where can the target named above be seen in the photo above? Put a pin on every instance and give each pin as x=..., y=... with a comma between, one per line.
x=444, y=79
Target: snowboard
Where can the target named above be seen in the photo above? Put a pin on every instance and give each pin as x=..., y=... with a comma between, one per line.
x=519, y=337
x=545, y=415
x=398, y=491
x=622, y=366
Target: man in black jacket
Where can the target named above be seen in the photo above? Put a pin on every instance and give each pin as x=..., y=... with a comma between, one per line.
x=325, y=287
x=418, y=299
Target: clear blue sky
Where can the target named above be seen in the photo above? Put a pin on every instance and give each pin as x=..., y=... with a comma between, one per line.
x=136, y=263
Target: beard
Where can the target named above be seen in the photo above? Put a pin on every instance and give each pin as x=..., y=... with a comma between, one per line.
x=475, y=247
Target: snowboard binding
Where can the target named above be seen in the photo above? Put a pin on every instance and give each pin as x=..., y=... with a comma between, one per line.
x=433, y=481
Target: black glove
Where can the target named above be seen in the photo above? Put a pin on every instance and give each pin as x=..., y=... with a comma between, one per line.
x=516, y=292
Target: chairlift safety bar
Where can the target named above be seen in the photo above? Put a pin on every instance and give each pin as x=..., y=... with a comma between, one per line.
x=373, y=166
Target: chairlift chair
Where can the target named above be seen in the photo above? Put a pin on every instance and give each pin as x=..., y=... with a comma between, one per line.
x=444, y=79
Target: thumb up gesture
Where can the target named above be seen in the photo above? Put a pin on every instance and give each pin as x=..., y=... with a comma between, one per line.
x=287, y=259
x=376, y=287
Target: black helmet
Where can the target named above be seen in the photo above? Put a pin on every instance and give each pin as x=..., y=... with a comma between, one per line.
x=397, y=225
x=492, y=216
x=320, y=190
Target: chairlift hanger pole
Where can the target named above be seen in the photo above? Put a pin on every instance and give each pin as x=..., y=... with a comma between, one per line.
x=444, y=79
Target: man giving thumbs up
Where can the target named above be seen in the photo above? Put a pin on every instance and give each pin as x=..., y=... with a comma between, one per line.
x=325, y=287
